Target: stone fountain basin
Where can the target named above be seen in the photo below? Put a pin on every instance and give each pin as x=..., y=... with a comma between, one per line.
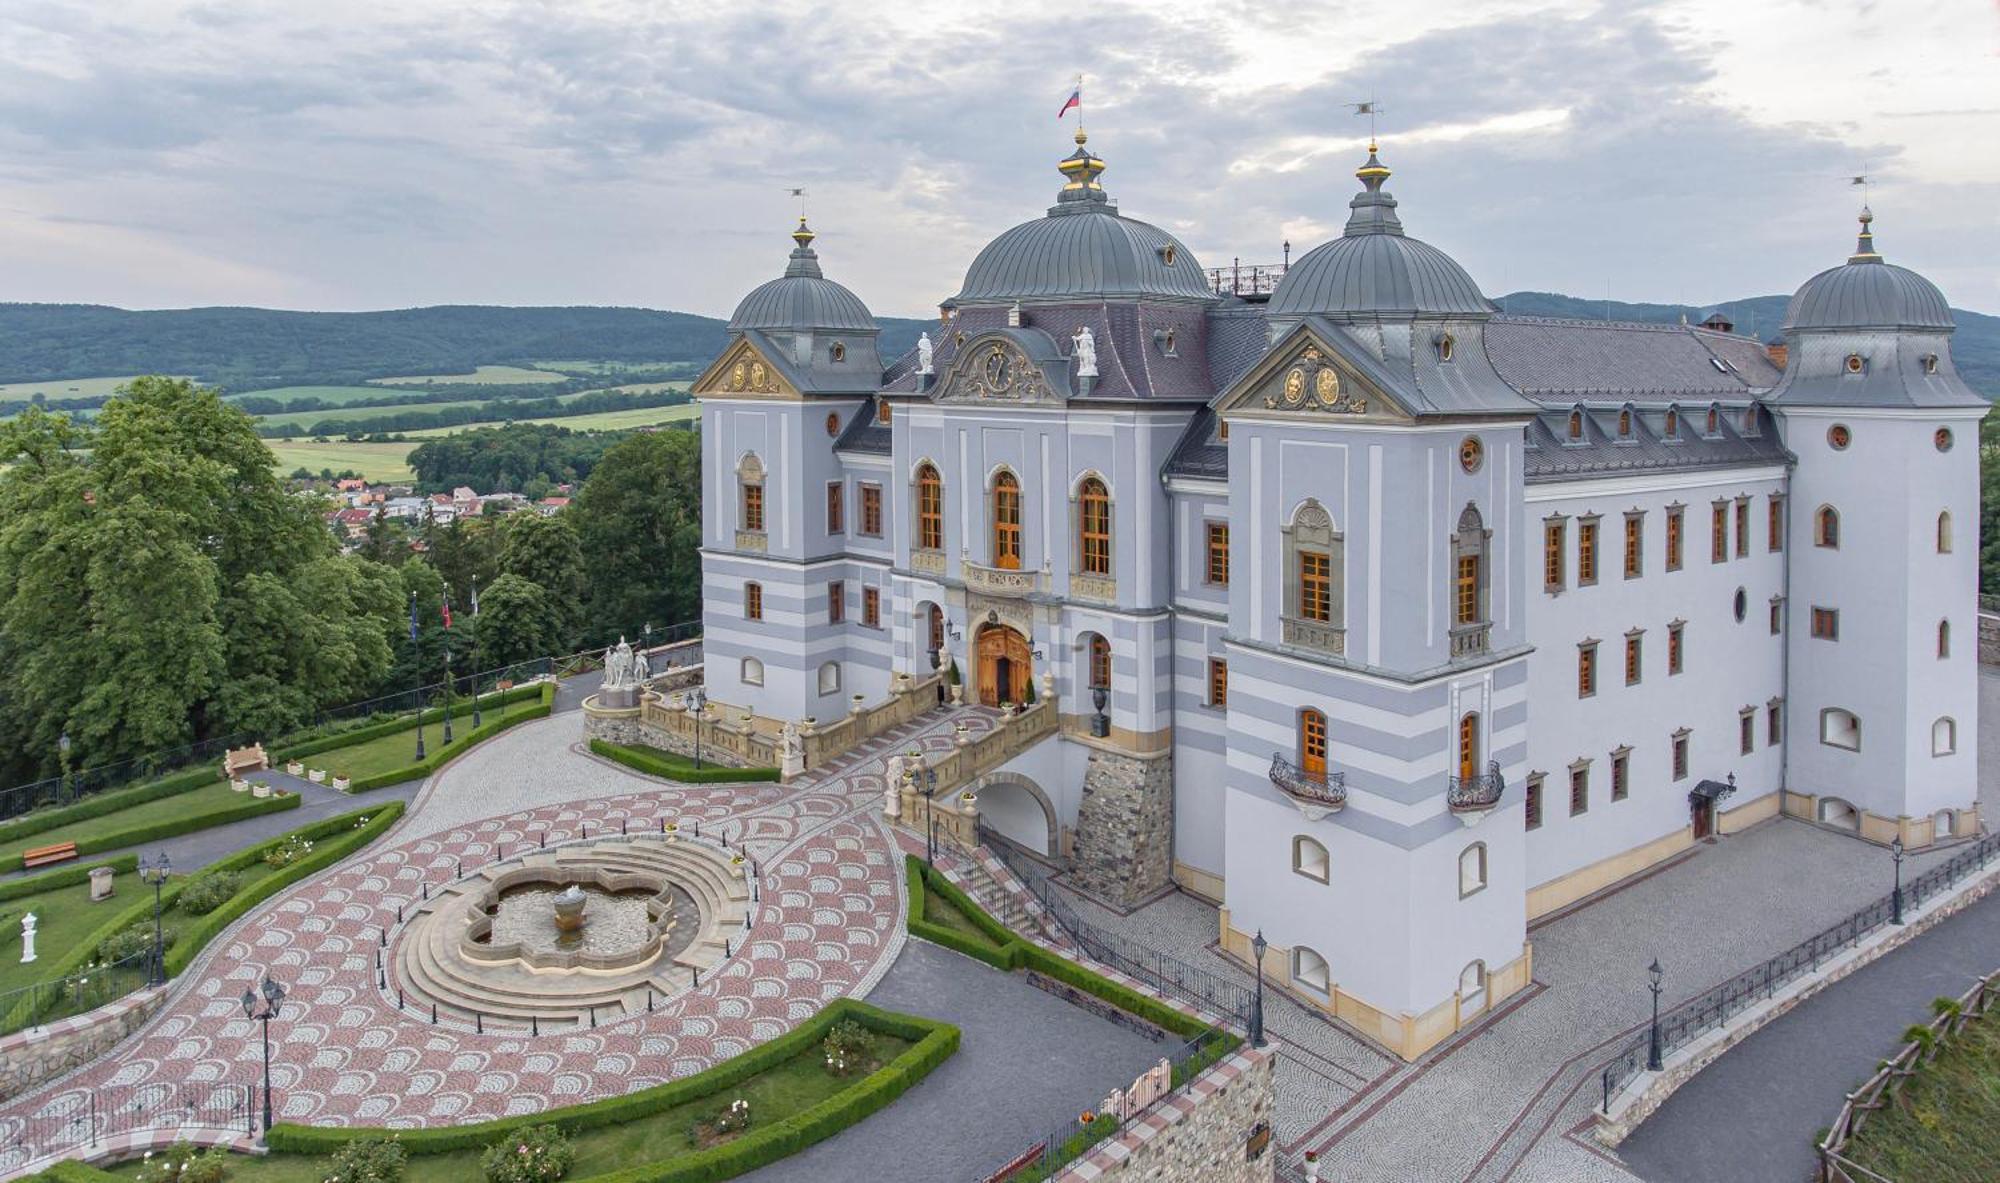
x=479, y=925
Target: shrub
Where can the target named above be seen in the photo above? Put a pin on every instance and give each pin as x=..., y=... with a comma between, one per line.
x=538, y=1154
x=848, y=1046
x=368, y=1160
x=132, y=942
x=674, y=766
x=291, y=850
x=184, y=1163
x=206, y=892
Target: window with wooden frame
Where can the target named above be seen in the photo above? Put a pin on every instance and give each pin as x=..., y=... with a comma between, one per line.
x=1634, y=666
x=1718, y=539
x=1676, y=646
x=1774, y=526
x=1576, y=425
x=871, y=510
x=882, y=411
x=1218, y=682
x=1621, y=773
x=1468, y=579
x=1742, y=527
x=1586, y=550
x=1312, y=745
x=1314, y=562
x=1635, y=544
x=1315, y=586
x=1216, y=572
x=753, y=601
x=1579, y=788
x=1680, y=754
x=836, y=508
x=753, y=507
x=1676, y=529
x=1826, y=527
x=1826, y=623
x=1093, y=512
x=871, y=607
x=836, y=601
x=1100, y=662
x=1586, y=669
x=930, y=508
x=1533, y=812
x=1007, y=521
x=1746, y=731
x=1555, y=567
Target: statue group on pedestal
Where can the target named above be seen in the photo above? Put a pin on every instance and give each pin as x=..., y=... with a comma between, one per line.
x=623, y=667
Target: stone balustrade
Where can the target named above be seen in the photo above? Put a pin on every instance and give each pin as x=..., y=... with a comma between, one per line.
x=732, y=735
x=958, y=819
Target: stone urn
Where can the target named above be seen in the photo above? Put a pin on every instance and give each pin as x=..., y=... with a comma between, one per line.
x=856, y=705
x=968, y=803
x=1008, y=710
x=569, y=909
x=961, y=733
x=957, y=694
x=239, y=786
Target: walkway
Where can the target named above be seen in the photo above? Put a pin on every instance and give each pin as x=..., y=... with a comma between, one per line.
x=1753, y=1115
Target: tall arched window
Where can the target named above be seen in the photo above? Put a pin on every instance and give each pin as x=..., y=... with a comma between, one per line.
x=930, y=508
x=1944, y=533
x=1316, y=612
x=1100, y=662
x=750, y=486
x=1468, y=745
x=1576, y=425
x=1309, y=970
x=1093, y=519
x=753, y=601
x=1468, y=583
x=1944, y=639
x=1826, y=527
x=1007, y=521
x=1312, y=744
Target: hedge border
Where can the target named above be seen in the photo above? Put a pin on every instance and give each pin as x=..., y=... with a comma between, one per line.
x=72, y=1171
x=934, y=1041
x=395, y=723
x=639, y=760
x=99, y=804
x=172, y=827
x=1006, y=958
x=14, y=889
x=439, y=755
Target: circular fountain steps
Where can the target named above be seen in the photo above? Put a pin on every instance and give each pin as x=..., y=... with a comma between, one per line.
x=429, y=968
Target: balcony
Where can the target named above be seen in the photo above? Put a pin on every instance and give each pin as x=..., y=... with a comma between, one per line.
x=1313, y=634
x=1315, y=795
x=1252, y=281
x=1472, y=798
x=999, y=581
x=1102, y=588
x=1469, y=640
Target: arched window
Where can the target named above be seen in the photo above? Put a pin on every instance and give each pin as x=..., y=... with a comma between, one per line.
x=750, y=486
x=1100, y=662
x=935, y=628
x=1576, y=425
x=1468, y=583
x=829, y=677
x=1944, y=533
x=1309, y=970
x=1007, y=521
x=1093, y=513
x=1472, y=869
x=1673, y=423
x=1625, y=423
x=753, y=672
x=1944, y=737
x=1944, y=639
x=1310, y=859
x=1472, y=989
x=1468, y=745
x=1312, y=745
x=1826, y=527
x=1316, y=610
x=1714, y=422
x=930, y=508
x=1840, y=728
x=753, y=601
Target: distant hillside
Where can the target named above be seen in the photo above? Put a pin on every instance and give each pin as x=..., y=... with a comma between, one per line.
x=248, y=348
x=1975, y=347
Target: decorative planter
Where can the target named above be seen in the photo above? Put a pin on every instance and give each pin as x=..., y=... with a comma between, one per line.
x=240, y=786
x=317, y=776
x=295, y=768
x=957, y=694
x=341, y=783
x=857, y=704
x=1008, y=711
x=968, y=803
x=961, y=733
x=260, y=790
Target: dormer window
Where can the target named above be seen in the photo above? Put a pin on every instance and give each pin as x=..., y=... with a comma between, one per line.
x=1625, y=424
x=1447, y=347
x=1673, y=431
x=1713, y=425
x=881, y=410
x=1164, y=338
x=1222, y=430
x=1576, y=425
x=1721, y=367
x=1168, y=254
x=1750, y=421
x=832, y=424
x=1930, y=363
x=1854, y=363
x=838, y=351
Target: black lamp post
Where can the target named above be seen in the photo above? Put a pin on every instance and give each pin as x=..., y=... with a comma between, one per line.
x=62, y=749
x=929, y=778
x=697, y=701
x=155, y=872
x=1257, y=946
x=1896, y=898
x=1654, y=973
x=274, y=995
x=447, y=696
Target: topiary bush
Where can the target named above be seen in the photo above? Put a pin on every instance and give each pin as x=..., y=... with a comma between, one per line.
x=183, y=1162
x=207, y=892
x=847, y=1047
x=368, y=1160
x=132, y=942
x=538, y=1154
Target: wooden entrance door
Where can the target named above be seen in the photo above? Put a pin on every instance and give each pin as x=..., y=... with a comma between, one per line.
x=1005, y=665
x=1468, y=746
x=1704, y=818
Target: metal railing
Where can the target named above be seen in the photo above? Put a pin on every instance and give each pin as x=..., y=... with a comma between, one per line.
x=87, y=1118
x=84, y=990
x=1327, y=789
x=1472, y=794
x=1712, y=1008
x=1246, y=279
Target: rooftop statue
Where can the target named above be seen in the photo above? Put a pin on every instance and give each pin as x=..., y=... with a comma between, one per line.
x=924, y=354
x=1085, y=353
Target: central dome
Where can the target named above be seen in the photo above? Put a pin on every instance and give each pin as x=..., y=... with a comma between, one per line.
x=1084, y=250
x=1867, y=293
x=1374, y=269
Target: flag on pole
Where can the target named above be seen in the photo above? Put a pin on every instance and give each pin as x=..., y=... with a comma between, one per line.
x=475, y=597
x=413, y=616
x=447, y=609
x=1075, y=98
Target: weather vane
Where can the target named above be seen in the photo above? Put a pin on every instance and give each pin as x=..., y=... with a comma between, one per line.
x=1369, y=108
x=801, y=195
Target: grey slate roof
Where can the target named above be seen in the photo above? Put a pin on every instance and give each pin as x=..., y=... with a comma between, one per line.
x=1238, y=335
x=1897, y=371
x=1402, y=357
x=1200, y=453
x=1084, y=252
x=802, y=298
x=1867, y=293
x=806, y=361
x=1565, y=361
x=1744, y=436
x=866, y=433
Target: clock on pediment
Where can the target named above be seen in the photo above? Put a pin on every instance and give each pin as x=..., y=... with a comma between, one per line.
x=999, y=371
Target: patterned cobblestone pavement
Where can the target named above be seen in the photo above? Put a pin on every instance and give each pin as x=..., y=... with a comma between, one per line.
x=827, y=924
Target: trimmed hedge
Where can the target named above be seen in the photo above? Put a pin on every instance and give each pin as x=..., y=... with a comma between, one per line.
x=72, y=1171
x=172, y=826
x=14, y=889
x=923, y=882
x=439, y=755
x=934, y=1042
x=389, y=726
x=672, y=766
x=107, y=802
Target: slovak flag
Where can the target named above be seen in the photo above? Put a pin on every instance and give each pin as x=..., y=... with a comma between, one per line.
x=1075, y=99
x=447, y=610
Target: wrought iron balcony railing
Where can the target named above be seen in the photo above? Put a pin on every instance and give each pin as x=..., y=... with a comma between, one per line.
x=1248, y=280
x=1324, y=790
x=1476, y=794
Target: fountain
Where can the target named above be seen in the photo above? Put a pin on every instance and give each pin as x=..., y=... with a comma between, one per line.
x=569, y=910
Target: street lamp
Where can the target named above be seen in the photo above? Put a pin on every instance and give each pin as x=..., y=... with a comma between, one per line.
x=1896, y=899
x=62, y=746
x=1257, y=946
x=697, y=701
x=1654, y=973
x=274, y=995
x=929, y=778
x=155, y=872
x=447, y=696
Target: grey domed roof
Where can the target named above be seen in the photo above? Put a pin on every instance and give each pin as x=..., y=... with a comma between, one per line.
x=802, y=299
x=1867, y=293
x=1374, y=268
x=1084, y=249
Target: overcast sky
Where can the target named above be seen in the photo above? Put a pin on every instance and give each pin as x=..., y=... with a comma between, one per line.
x=361, y=154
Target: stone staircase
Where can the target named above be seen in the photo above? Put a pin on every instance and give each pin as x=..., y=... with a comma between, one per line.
x=1001, y=903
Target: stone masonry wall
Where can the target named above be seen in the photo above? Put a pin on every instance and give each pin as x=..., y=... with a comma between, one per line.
x=1125, y=828
x=628, y=731
x=27, y=1058
x=1198, y=1135
x=1989, y=639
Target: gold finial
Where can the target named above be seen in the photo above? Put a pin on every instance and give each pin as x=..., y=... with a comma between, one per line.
x=1081, y=139
x=1373, y=172
x=803, y=235
x=1864, y=245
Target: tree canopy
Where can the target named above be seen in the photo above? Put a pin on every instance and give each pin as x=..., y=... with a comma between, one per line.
x=639, y=520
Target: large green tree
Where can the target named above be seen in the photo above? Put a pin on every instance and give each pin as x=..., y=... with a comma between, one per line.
x=517, y=622
x=638, y=517
x=545, y=552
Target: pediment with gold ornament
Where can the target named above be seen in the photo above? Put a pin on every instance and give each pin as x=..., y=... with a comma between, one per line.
x=743, y=372
x=1307, y=378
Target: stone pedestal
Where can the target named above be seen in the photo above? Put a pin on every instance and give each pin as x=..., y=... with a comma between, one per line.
x=1125, y=828
x=100, y=883
x=618, y=698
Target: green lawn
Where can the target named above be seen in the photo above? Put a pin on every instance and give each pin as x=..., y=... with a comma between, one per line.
x=332, y=395
x=601, y=421
x=481, y=376
x=774, y=1094
x=605, y=367
x=303, y=421
x=61, y=388
x=376, y=462
x=1945, y=1126
x=398, y=749
x=207, y=799
x=63, y=916
x=940, y=911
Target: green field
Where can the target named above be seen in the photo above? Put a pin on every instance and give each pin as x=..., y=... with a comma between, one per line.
x=376, y=462
x=480, y=376
x=1941, y=1128
x=63, y=916
x=303, y=421
x=333, y=395
x=602, y=421
x=604, y=367
x=57, y=388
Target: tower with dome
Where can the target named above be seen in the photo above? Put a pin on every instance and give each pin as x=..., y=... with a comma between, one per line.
x=1382, y=620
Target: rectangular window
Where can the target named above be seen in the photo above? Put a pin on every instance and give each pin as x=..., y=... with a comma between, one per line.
x=1579, y=789
x=1776, y=526
x=1633, y=665
x=881, y=410
x=1586, y=551
x=1218, y=554
x=1746, y=731
x=753, y=601
x=1621, y=783
x=1315, y=586
x=1742, y=527
x=871, y=607
x=1718, y=538
x=1554, y=568
x=1774, y=711
x=1534, y=810
x=1465, y=590
x=871, y=509
x=836, y=508
x=1680, y=755
x=753, y=508
x=1826, y=623
x=1676, y=523
x=1586, y=669
x=1635, y=544
x=1674, y=647
x=836, y=602
x=1218, y=682
x=1777, y=614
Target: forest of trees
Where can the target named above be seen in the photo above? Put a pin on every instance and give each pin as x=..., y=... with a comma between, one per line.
x=508, y=459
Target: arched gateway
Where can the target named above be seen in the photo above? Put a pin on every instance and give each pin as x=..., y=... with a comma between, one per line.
x=1005, y=666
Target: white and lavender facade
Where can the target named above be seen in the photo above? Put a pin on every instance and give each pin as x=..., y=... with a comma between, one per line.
x=1411, y=621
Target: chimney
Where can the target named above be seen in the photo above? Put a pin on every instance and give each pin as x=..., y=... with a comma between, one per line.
x=1777, y=352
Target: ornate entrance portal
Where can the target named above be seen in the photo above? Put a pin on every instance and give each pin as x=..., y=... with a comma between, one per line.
x=1005, y=666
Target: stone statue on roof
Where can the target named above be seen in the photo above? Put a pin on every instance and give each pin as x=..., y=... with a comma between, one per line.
x=924, y=354
x=1085, y=352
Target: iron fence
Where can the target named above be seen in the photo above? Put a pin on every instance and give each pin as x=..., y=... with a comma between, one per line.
x=1714, y=1007
x=84, y=990
x=85, y=1119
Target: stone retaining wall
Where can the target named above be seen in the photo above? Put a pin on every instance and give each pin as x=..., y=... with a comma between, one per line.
x=1989, y=639
x=28, y=1058
x=1200, y=1134
x=1125, y=828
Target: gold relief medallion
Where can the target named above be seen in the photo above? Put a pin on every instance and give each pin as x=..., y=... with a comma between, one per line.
x=1295, y=385
x=737, y=376
x=757, y=375
x=1326, y=384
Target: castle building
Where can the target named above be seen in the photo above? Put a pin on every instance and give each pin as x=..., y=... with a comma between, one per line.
x=1384, y=620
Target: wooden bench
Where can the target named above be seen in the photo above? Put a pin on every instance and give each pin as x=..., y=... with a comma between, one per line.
x=241, y=760
x=42, y=856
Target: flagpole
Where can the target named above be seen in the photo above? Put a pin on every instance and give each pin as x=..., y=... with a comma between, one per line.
x=417, y=657
x=475, y=655
x=447, y=692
